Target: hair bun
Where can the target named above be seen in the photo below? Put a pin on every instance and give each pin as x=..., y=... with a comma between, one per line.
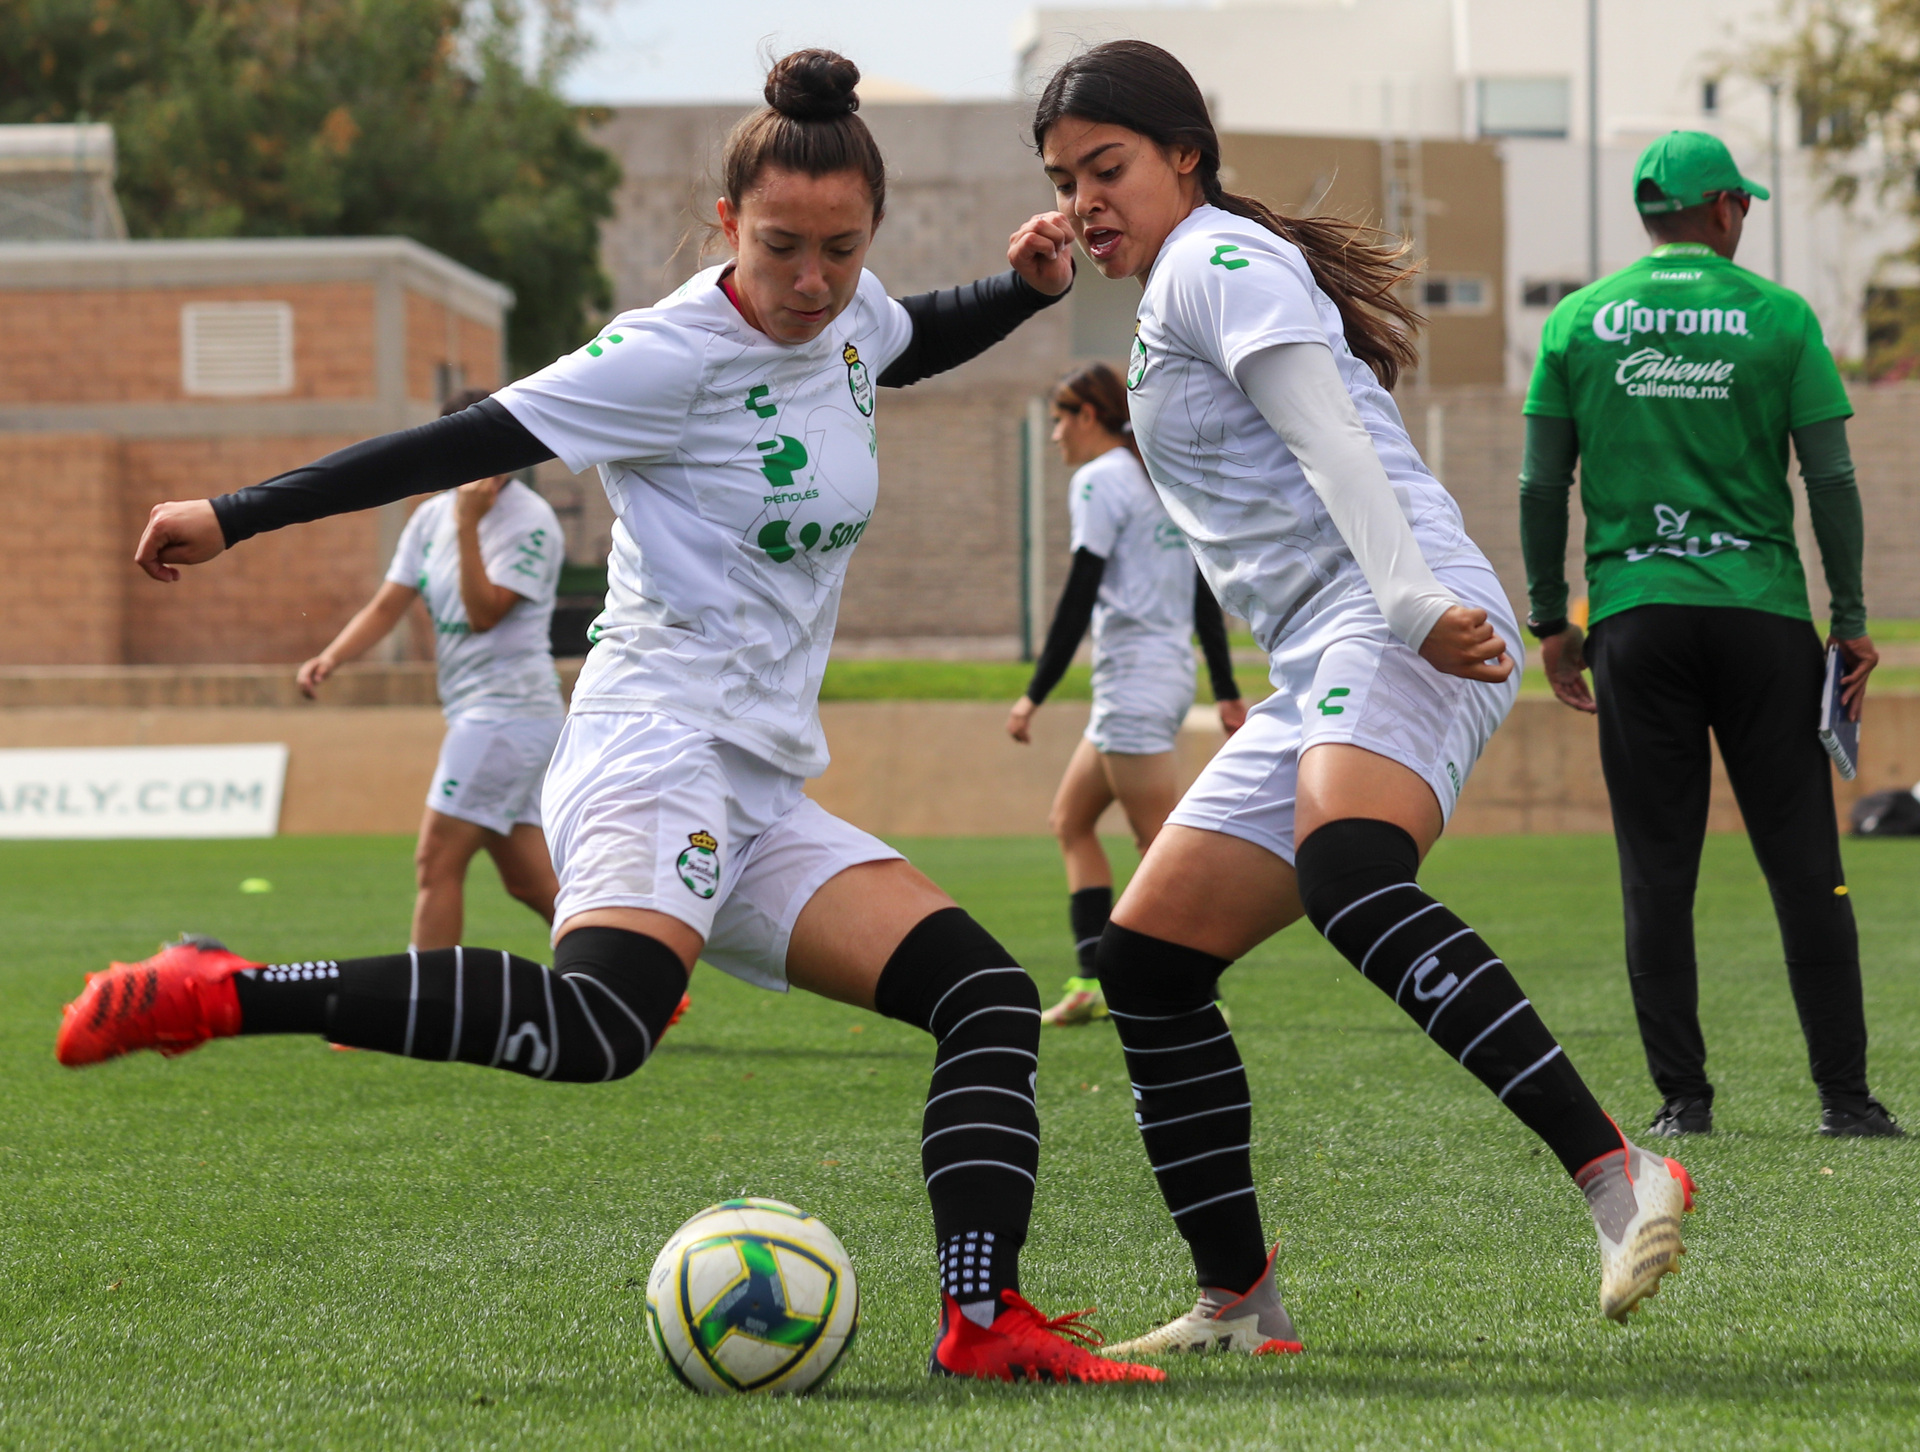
x=813, y=85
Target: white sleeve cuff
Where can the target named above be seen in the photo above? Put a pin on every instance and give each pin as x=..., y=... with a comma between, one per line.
x=1299, y=391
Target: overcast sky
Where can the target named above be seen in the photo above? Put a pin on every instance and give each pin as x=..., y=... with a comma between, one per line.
x=707, y=50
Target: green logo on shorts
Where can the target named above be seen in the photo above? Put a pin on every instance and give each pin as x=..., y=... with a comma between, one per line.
x=1453, y=775
x=1331, y=710
x=447, y=786
x=700, y=864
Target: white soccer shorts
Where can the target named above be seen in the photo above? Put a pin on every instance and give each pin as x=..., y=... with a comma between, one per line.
x=489, y=772
x=1346, y=678
x=1138, y=705
x=644, y=812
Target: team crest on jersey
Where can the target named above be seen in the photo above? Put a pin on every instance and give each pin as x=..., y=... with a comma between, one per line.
x=1136, y=360
x=859, y=381
x=700, y=864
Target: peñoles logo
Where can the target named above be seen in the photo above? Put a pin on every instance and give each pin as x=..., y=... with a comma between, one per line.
x=1650, y=373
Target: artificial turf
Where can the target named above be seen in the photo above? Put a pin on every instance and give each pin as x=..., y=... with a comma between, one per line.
x=268, y=1244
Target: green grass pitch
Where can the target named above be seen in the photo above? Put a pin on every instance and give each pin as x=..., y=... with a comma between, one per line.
x=267, y=1244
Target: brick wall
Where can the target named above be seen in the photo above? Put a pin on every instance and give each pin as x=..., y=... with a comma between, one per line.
x=279, y=597
x=122, y=345
x=437, y=335
x=60, y=516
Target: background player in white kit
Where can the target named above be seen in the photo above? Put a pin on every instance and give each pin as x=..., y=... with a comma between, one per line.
x=485, y=558
x=733, y=428
x=1259, y=375
x=1133, y=579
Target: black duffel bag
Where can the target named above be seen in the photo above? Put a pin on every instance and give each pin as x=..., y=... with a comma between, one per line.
x=1886, y=814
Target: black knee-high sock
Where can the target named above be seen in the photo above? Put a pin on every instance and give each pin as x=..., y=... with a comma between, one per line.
x=1190, y=1098
x=595, y=1015
x=1088, y=911
x=980, y=1144
x=1357, y=882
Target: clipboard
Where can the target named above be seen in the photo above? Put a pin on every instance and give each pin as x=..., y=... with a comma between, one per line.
x=1838, y=735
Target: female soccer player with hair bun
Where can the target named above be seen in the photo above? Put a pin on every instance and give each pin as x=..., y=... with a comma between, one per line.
x=1259, y=377
x=732, y=424
x=1133, y=579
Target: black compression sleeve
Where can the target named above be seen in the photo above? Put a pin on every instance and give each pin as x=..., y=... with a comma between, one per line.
x=1210, y=624
x=958, y=323
x=1070, y=620
x=1546, y=480
x=476, y=443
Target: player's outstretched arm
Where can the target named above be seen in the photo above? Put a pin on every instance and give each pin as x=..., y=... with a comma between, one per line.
x=958, y=323
x=475, y=443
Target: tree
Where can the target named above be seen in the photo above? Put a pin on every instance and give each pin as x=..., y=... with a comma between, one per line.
x=269, y=118
x=1854, y=70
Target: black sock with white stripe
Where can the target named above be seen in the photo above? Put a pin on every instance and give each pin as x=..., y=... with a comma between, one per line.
x=1357, y=882
x=1088, y=911
x=1190, y=1099
x=595, y=1015
x=980, y=1141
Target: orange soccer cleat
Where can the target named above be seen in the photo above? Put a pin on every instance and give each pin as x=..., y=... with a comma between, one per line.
x=1023, y=1345
x=686, y=1002
x=174, y=1002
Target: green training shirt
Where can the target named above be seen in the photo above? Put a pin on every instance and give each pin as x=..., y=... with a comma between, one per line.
x=1684, y=375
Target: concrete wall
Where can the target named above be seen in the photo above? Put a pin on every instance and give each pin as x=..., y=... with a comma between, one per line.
x=901, y=768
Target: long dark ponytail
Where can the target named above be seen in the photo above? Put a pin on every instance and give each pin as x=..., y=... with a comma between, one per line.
x=1139, y=86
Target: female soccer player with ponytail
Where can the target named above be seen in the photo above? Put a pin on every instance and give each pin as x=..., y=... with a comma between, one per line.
x=1133, y=580
x=1259, y=378
x=733, y=428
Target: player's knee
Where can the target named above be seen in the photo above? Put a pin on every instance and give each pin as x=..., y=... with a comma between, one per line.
x=1142, y=974
x=951, y=978
x=622, y=988
x=1343, y=861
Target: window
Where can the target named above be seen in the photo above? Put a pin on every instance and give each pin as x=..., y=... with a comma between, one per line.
x=1536, y=294
x=1525, y=106
x=1452, y=293
x=236, y=349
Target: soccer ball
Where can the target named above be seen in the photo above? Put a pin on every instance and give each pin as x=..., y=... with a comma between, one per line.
x=752, y=1296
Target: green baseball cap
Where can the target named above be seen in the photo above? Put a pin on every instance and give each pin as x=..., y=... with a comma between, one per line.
x=1688, y=167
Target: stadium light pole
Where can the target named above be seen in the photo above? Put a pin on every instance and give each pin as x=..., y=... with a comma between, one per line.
x=1773, y=178
x=1593, y=140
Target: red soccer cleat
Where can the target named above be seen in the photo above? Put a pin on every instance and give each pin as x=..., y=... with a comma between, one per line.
x=1023, y=1345
x=686, y=1002
x=174, y=1002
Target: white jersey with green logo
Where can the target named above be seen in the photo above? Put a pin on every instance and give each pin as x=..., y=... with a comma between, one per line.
x=1222, y=290
x=506, y=673
x=742, y=473
x=1144, y=611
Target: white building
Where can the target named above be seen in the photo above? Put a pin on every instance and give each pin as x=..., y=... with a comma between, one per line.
x=1518, y=70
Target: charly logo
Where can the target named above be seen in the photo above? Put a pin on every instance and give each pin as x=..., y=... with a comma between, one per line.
x=859, y=381
x=1617, y=322
x=1649, y=373
x=595, y=350
x=1325, y=704
x=757, y=401
x=700, y=864
x=1136, y=360
x=1220, y=258
x=1167, y=535
x=1670, y=525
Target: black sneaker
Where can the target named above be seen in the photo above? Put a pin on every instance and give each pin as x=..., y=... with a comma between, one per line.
x=1839, y=1121
x=1682, y=1116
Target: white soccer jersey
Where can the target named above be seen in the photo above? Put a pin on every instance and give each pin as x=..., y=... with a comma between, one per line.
x=505, y=673
x=1144, y=611
x=742, y=472
x=1223, y=289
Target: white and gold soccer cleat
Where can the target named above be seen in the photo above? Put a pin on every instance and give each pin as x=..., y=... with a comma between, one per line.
x=1254, y=1324
x=1636, y=1199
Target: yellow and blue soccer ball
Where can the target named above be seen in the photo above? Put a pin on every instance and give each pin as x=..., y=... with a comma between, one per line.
x=752, y=1296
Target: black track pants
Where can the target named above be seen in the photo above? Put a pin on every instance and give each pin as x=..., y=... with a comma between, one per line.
x=1665, y=676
